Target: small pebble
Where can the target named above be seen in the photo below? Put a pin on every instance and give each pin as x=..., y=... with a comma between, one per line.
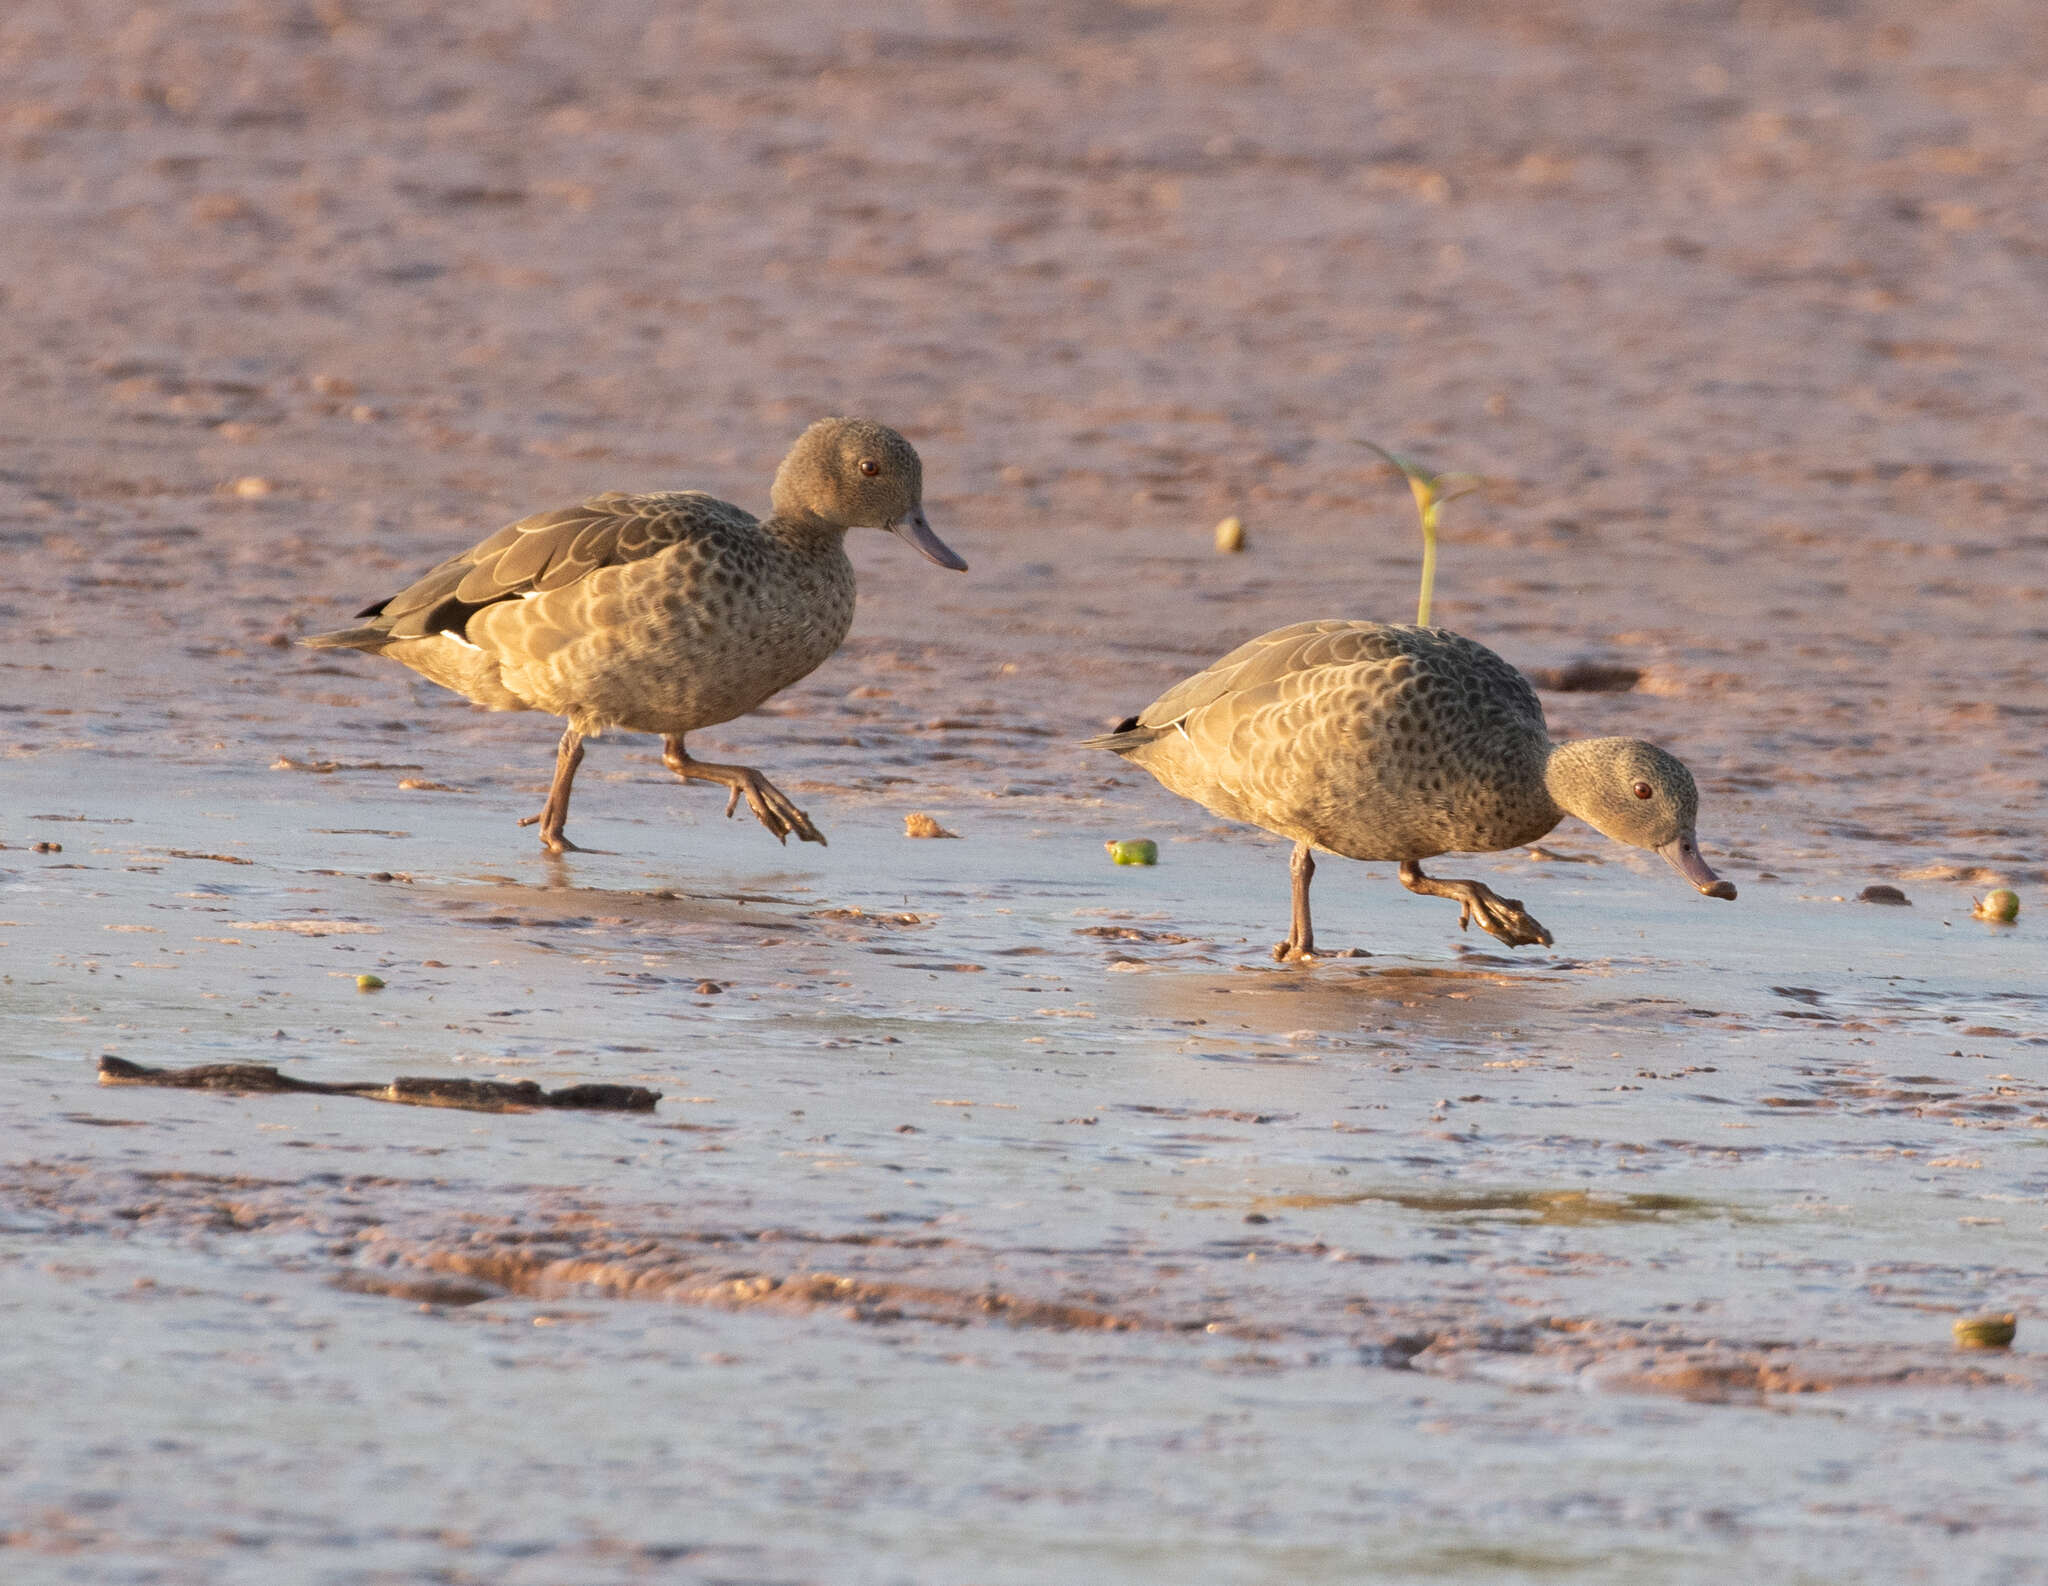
x=250, y=486
x=1230, y=535
x=369, y=982
x=1133, y=851
x=919, y=824
x=2001, y=906
x=1881, y=893
x=1993, y=1331
x=49, y=848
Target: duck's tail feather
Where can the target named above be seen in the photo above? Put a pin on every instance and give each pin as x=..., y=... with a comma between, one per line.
x=348, y=639
x=1126, y=736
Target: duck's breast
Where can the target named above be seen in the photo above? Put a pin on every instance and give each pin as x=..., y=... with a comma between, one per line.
x=1440, y=750
x=689, y=638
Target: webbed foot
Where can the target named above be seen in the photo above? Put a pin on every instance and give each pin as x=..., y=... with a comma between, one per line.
x=771, y=806
x=1500, y=917
x=552, y=840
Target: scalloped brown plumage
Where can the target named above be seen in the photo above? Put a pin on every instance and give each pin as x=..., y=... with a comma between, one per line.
x=659, y=613
x=1385, y=742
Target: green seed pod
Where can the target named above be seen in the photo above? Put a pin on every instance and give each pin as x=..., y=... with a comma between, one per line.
x=1994, y=1331
x=1133, y=851
x=2001, y=906
x=369, y=982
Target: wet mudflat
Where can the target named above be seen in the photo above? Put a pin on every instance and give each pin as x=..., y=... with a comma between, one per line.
x=1011, y=1216
x=994, y=1212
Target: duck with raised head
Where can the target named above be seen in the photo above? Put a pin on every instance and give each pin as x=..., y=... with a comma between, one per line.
x=660, y=613
x=1385, y=742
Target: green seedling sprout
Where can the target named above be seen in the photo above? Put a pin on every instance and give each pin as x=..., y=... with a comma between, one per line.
x=1431, y=492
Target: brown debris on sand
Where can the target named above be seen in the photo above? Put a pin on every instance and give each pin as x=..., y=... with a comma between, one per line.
x=857, y=1298
x=474, y=1095
x=1584, y=676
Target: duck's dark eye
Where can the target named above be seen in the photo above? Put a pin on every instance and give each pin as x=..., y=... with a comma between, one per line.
x=1643, y=790
x=870, y=467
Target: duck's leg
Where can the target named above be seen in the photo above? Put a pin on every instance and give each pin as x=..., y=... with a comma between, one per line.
x=554, y=814
x=1497, y=916
x=771, y=806
x=1301, y=936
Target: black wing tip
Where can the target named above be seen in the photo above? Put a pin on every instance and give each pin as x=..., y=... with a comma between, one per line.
x=1127, y=734
x=451, y=616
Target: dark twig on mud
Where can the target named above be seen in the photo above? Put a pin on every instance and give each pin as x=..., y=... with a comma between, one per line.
x=477, y=1095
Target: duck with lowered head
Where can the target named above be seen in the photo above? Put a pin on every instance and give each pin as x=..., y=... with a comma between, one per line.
x=1386, y=742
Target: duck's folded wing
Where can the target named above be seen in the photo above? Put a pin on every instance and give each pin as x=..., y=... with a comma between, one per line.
x=1300, y=647
x=550, y=550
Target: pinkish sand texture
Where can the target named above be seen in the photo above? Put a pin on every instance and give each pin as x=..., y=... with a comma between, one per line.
x=1006, y=1217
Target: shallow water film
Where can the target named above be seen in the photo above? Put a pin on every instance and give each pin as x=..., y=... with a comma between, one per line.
x=1008, y=1214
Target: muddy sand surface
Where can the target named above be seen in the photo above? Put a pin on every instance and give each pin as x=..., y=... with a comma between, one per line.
x=1009, y=1216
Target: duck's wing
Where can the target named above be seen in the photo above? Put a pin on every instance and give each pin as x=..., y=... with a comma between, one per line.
x=1296, y=665
x=551, y=550
x=1300, y=647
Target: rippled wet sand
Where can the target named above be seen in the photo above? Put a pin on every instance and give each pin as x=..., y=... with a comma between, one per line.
x=1010, y=1216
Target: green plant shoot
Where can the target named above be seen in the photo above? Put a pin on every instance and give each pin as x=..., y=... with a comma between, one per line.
x=1431, y=492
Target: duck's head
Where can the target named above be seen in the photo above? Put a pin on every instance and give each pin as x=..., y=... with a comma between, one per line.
x=857, y=474
x=1637, y=794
